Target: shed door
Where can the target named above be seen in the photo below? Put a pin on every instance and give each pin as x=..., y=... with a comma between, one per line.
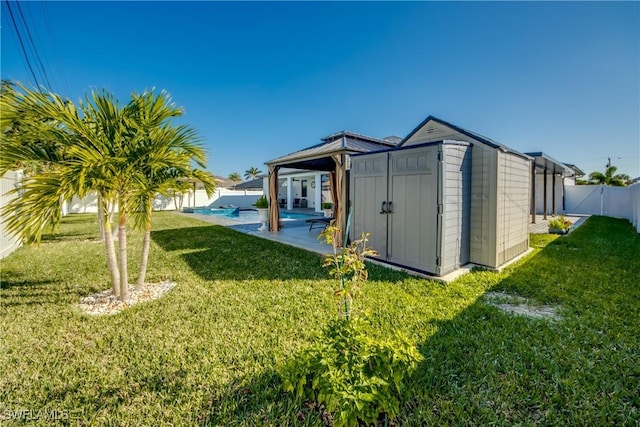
x=369, y=191
x=413, y=223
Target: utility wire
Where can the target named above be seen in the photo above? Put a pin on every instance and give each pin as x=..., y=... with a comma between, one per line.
x=33, y=46
x=24, y=50
x=56, y=53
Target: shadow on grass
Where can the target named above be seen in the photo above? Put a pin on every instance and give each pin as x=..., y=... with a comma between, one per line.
x=488, y=367
x=69, y=236
x=483, y=366
x=259, y=400
x=23, y=284
x=76, y=227
x=22, y=292
x=216, y=252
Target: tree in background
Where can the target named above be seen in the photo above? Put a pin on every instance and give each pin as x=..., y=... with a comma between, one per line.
x=252, y=173
x=235, y=177
x=609, y=177
x=177, y=191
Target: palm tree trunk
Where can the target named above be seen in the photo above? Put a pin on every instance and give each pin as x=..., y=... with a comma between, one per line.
x=101, y=217
x=112, y=262
x=145, y=258
x=146, y=243
x=122, y=243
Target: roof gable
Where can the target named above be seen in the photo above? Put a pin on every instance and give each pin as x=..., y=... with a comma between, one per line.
x=434, y=129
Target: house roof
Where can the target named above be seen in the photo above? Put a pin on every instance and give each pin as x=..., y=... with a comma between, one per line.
x=254, y=184
x=544, y=161
x=222, y=182
x=318, y=157
x=470, y=134
x=578, y=172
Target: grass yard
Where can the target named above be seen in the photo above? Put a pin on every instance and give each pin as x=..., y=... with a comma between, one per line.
x=206, y=353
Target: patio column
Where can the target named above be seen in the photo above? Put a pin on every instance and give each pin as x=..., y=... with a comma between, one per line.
x=274, y=208
x=553, y=193
x=544, y=204
x=318, y=193
x=533, y=192
x=289, y=193
x=337, y=193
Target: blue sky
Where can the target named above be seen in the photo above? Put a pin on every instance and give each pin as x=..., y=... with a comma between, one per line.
x=259, y=80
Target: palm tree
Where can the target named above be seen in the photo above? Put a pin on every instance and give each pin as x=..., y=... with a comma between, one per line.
x=75, y=151
x=124, y=154
x=235, y=177
x=177, y=191
x=252, y=173
x=162, y=154
x=609, y=177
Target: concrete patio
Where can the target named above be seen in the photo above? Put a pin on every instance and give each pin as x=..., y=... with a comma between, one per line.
x=296, y=232
x=542, y=225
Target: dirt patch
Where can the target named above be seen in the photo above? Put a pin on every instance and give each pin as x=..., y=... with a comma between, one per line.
x=518, y=305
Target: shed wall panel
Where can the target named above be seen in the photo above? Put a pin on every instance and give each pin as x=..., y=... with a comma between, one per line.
x=456, y=207
x=483, y=205
x=513, y=206
x=368, y=180
x=413, y=190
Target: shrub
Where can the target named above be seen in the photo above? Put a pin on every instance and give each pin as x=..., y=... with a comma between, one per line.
x=355, y=376
x=262, y=202
x=347, y=265
x=559, y=222
x=327, y=205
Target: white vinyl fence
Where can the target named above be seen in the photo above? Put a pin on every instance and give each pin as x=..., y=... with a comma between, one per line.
x=8, y=182
x=618, y=202
x=221, y=197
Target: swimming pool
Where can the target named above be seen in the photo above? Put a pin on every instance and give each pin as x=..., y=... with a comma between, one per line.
x=250, y=215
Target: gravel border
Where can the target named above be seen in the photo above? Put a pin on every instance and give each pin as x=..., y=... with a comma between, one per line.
x=105, y=303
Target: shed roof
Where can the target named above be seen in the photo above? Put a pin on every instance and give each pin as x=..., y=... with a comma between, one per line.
x=470, y=134
x=544, y=161
x=318, y=157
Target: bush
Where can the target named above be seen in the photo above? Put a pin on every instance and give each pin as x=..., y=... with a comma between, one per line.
x=262, y=202
x=559, y=223
x=355, y=376
x=327, y=205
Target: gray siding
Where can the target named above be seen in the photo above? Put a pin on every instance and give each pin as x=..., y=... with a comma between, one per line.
x=470, y=204
x=483, y=205
x=513, y=206
x=456, y=206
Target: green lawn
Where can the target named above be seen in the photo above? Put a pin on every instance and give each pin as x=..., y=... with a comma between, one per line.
x=206, y=353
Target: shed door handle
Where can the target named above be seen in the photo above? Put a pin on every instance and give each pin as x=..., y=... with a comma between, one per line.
x=390, y=208
x=382, y=209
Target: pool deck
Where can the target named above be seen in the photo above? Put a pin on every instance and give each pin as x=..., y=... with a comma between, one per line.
x=295, y=232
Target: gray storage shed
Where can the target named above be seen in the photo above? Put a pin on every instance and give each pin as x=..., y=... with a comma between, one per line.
x=444, y=198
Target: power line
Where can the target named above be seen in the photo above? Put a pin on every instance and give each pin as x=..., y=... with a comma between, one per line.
x=33, y=46
x=24, y=50
x=56, y=52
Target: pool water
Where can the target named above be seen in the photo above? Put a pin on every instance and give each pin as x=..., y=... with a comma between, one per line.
x=251, y=215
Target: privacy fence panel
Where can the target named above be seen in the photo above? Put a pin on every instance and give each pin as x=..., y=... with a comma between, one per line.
x=221, y=197
x=617, y=202
x=9, y=182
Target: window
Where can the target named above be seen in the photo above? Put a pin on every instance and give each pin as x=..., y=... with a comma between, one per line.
x=304, y=187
